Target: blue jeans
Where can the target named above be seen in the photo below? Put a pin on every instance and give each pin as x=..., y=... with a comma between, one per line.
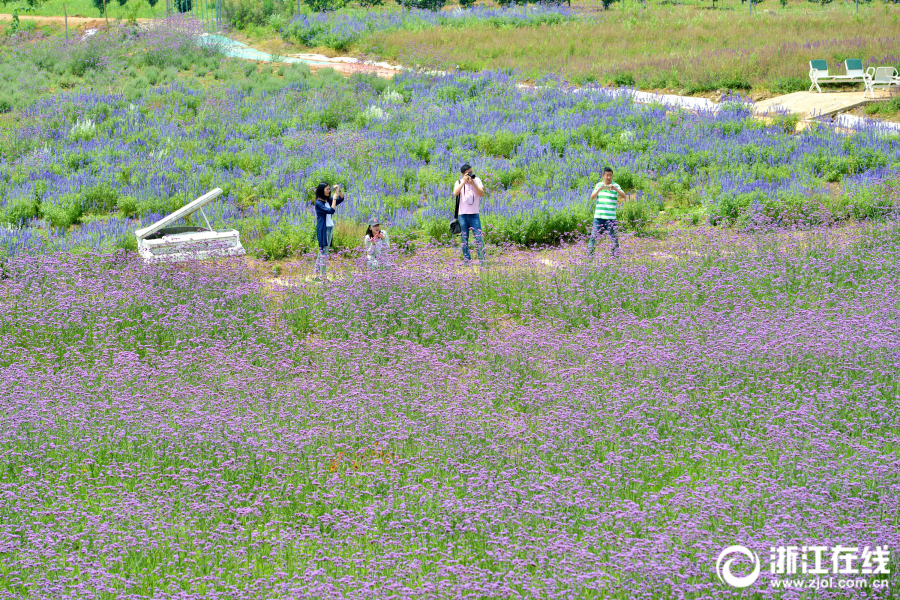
x=473, y=223
x=599, y=226
x=322, y=259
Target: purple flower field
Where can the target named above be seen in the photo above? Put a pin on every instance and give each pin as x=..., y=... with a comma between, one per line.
x=544, y=428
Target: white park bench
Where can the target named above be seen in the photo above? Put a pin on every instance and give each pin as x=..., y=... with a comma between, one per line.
x=818, y=73
x=883, y=77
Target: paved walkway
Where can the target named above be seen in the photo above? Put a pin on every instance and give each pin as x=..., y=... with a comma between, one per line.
x=342, y=64
x=810, y=105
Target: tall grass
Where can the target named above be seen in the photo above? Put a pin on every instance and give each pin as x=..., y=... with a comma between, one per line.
x=677, y=48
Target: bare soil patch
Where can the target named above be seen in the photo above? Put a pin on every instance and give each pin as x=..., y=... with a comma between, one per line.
x=78, y=23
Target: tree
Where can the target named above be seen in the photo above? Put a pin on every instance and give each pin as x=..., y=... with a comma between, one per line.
x=434, y=5
x=184, y=6
x=325, y=5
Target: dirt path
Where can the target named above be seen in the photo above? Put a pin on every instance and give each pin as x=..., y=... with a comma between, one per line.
x=78, y=23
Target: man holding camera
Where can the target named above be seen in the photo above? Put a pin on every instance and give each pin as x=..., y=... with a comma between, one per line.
x=470, y=190
x=607, y=195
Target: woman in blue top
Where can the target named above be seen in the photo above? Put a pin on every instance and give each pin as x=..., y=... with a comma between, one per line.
x=325, y=207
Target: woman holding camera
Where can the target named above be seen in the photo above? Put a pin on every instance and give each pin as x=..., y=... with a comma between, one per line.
x=377, y=246
x=326, y=201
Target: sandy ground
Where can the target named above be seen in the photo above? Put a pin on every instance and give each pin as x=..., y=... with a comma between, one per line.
x=76, y=23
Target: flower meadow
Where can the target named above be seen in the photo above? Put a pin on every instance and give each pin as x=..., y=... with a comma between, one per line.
x=341, y=29
x=134, y=138
x=544, y=428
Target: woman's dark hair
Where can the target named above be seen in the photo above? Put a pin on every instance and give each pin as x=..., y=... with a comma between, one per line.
x=320, y=192
x=465, y=168
x=369, y=230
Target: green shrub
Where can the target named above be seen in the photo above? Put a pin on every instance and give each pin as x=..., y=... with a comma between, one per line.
x=152, y=75
x=20, y=210
x=636, y=216
x=623, y=79
x=348, y=235
x=788, y=85
x=127, y=205
x=450, y=94
x=730, y=208
x=126, y=241
x=100, y=199
x=628, y=180
x=534, y=229
x=502, y=143
x=153, y=205
x=62, y=212
x=420, y=148
x=77, y=161
x=6, y=104
x=85, y=56
x=511, y=177
x=286, y=240
x=342, y=110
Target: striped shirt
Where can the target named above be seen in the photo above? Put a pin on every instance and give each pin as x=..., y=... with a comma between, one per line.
x=606, y=202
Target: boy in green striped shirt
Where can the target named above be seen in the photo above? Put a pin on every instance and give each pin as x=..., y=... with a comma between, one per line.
x=607, y=195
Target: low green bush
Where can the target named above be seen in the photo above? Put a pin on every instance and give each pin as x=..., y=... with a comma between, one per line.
x=636, y=216
x=63, y=211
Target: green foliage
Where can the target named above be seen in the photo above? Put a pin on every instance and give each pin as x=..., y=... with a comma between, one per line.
x=789, y=85
x=434, y=5
x=62, y=211
x=511, y=177
x=127, y=242
x=127, y=205
x=100, y=199
x=501, y=143
x=636, y=216
x=887, y=107
x=184, y=6
x=325, y=5
x=20, y=211
x=286, y=240
x=628, y=180
x=420, y=149
x=341, y=110
x=540, y=228
x=77, y=161
x=623, y=79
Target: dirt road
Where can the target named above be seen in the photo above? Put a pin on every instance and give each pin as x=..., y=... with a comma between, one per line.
x=75, y=23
